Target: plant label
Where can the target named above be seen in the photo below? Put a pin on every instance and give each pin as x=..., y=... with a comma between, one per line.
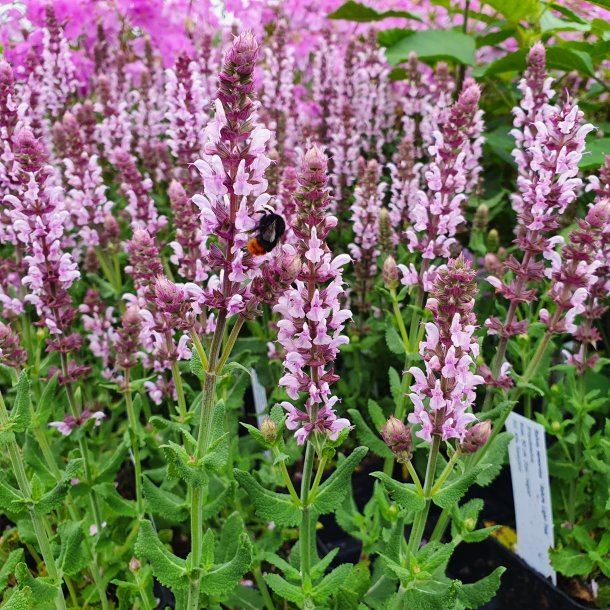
x=532, y=495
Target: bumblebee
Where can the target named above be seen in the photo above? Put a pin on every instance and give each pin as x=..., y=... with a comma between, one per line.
x=268, y=233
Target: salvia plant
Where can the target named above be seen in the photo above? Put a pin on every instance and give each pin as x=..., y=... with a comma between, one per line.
x=273, y=276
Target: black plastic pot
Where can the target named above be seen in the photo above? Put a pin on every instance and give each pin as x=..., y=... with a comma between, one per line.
x=522, y=587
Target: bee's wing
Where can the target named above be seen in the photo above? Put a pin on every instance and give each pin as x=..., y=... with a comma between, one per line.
x=269, y=233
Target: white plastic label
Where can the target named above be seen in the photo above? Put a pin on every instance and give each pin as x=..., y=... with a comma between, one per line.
x=260, y=397
x=530, y=474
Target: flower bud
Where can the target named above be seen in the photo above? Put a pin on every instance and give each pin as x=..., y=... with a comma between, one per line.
x=269, y=430
x=385, y=231
x=493, y=240
x=481, y=217
x=476, y=437
x=390, y=273
x=134, y=565
x=397, y=437
x=599, y=214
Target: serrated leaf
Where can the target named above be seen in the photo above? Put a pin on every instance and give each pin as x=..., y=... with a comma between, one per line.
x=196, y=365
x=378, y=417
x=289, y=571
x=8, y=567
x=331, y=493
x=54, y=498
x=168, y=569
x=219, y=498
x=493, y=459
x=217, y=455
x=320, y=568
x=181, y=466
x=245, y=598
x=117, y=504
x=479, y=593
x=112, y=465
x=72, y=558
x=395, y=384
x=404, y=493
x=230, y=537
x=20, y=600
x=44, y=591
x=21, y=414
x=284, y=589
x=570, y=562
x=330, y=583
x=44, y=407
x=367, y=437
x=432, y=594
x=353, y=588
x=11, y=499
x=164, y=503
x=393, y=340
x=451, y=493
x=223, y=578
x=269, y=505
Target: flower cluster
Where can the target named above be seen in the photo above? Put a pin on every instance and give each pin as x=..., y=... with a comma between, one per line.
x=310, y=330
x=436, y=215
x=444, y=393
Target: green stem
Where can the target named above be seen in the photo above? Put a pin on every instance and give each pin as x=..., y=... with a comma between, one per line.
x=306, y=533
x=203, y=443
x=230, y=343
x=316, y=482
x=535, y=361
x=262, y=587
x=135, y=446
x=286, y=477
x=182, y=411
x=419, y=523
x=415, y=478
x=199, y=347
x=446, y=471
x=399, y=320
x=39, y=522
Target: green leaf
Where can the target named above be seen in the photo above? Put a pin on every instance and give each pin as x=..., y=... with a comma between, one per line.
x=392, y=338
x=367, y=437
x=8, y=566
x=20, y=600
x=331, y=582
x=217, y=455
x=21, y=415
x=377, y=415
x=289, y=571
x=54, y=498
x=597, y=149
x=570, y=562
x=181, y=466
x=168, y=569
x=164, y=503
x=566, y=59
x=219, y=495
x=448, y=495
x=230, y=536
x=11, y=499
x=331, y=493
x=72, y=558
x=44, y=591
x=44, y=408
x=112, y=465
x=246, y=598
x=431, y=594
x=353, y=588
x=117, y=504
x=550, y=23
x=355, y=11
x=195, y=365
x=269, y=505
x=479, y=593
x=511, y=62
x=284, y=589
x=395, y=384
x=516, y=11
x=404, y=493
x=223, y=578
x=493, y=459
x=434, y=45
